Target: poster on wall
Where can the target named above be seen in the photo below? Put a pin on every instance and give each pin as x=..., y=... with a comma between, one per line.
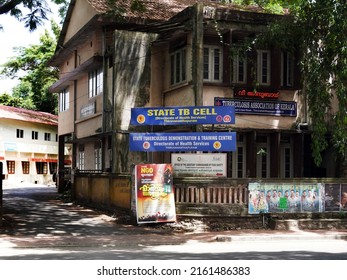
x=285, y=198
x=155, y=201
x=335, y=197
x=343, y=199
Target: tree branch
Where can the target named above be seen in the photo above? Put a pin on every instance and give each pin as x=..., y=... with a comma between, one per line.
x=8, y=6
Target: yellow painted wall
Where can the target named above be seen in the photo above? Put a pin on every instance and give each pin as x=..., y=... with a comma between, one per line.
x=120, y=193
x=105, y=191
x=81, y=14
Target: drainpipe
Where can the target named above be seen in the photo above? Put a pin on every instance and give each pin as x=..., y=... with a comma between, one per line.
x=113, y=114
x=105, y=109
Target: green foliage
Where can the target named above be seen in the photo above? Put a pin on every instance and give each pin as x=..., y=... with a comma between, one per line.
x=37, y=11
x=324, y=65
x=8, y=100
x=270, y=6
x=39, y=77
x=315, y=28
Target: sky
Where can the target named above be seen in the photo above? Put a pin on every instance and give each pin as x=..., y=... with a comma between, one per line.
x=14, y=34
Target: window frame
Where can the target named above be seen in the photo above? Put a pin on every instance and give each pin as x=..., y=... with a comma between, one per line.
x=20, y=133
x=236, y=62
x=178, y=66
x=211, y=61
x=98, y=158
x=47, y=136
x=41, y=168
x=81, y=160
x=11, y=166
x=34, y=135
x=287, y=69
x=26, y=167
x=238, y=164
x=64, y=100
x=261, y=68
x=287, y=161
x=95, y=82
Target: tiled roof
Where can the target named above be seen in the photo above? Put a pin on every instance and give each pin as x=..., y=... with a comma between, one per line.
x=8, y=112
x=159, y=9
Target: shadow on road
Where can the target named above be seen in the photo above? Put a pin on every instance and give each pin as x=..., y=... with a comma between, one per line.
x=39, y=225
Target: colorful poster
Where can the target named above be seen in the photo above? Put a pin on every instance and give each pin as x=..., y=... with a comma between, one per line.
x=280, y=198
x=335, y=197
x=183, y=141
x=293, y=194
x=155, y=201
x=310, y=198
x=343, y=199
x=183, y=115
x=257, y=202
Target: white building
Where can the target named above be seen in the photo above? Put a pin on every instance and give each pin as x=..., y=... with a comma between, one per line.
x=28, y=145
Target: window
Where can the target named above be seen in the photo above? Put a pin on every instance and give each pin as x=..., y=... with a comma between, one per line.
x=263, y=67
x=286, y=163
x=20, y=133
x=286, y=166
x=64, y=100
x=26, y=167
x=212, y=64
x=53, y=167
x=11, y=167
x=262, y=163
x=97, y=156
x=238, y=159
x=178, y=67
x=241, y=166
x=95, y=83
x=263, y=157
x=47, y=136
x=81, y=157
x=34, y=135
x=239, y=70
x=287, y=70
x=41, y=167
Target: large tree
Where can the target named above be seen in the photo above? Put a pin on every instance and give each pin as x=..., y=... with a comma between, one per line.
x=33, y=87
x=32, y=12
x=317, y=29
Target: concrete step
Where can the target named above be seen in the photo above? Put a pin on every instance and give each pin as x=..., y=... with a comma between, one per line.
x=309, y=224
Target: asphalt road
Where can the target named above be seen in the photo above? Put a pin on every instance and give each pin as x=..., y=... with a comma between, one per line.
x=39, y=226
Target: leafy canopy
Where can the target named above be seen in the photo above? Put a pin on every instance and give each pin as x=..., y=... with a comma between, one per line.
x=316, y=29
x=33, y=88
x=32, y=12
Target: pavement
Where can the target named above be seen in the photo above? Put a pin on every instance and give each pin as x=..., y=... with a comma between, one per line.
x=36, y=217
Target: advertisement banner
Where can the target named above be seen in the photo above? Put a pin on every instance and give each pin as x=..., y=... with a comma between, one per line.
x=335, y=197
x=183, y=141
x=183, y=115
x=155, y=201
x=258, y=107
x=199, y=165
x=275, y=198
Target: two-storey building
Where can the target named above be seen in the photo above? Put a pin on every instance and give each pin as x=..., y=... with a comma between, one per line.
x=28, y=145
x=178, y=53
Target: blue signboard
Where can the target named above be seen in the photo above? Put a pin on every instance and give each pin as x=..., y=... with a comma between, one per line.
x=183, y=141
x=258, y=107
x=190, y=115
